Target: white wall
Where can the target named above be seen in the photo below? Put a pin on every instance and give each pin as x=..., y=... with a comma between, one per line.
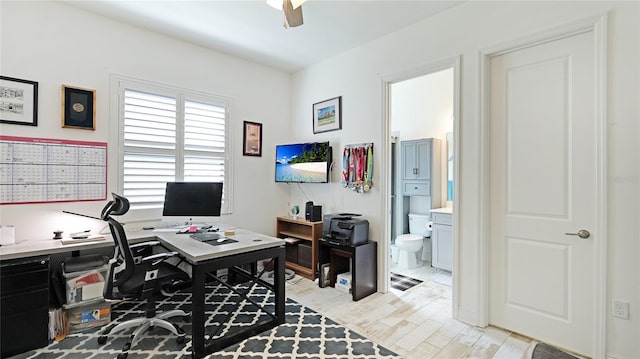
x=54, y=44
x=422, y=107
x=465, y=30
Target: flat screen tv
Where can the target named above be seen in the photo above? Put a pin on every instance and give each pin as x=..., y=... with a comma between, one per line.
x=303, y=162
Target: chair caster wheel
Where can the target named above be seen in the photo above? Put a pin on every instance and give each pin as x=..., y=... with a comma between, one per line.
x=102, y=339
x=123, y=355
x=180, y=340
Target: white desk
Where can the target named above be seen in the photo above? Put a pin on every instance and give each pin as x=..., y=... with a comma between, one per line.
x=195, y=251
x=36, y=248
x=191, y=249
x=204, y=258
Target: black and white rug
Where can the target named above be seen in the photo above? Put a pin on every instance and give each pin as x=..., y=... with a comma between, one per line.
x=402, y=282
x=305, y=333
x=545, y=351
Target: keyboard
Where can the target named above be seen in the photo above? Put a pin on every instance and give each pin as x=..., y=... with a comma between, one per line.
x=208, y=236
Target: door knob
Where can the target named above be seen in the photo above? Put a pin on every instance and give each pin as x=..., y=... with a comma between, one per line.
x=583, y=233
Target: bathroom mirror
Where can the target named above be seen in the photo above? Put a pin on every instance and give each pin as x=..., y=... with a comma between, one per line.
x=449, y=166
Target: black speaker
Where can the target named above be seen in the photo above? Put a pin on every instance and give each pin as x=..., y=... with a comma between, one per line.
x=316, y=214
x=308, y=208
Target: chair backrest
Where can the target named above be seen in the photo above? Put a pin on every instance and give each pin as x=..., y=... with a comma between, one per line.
x=122, y=265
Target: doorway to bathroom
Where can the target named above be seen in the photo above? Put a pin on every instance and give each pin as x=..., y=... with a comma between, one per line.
x=421, y=113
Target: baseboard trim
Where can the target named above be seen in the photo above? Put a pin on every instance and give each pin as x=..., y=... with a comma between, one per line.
x=467, y=316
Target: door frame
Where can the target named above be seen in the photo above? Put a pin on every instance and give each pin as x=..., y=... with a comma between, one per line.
x=597, y=25
x=386, y=81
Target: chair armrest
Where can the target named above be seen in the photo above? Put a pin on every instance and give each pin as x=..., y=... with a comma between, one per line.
x=159, y=257
x=144, y=244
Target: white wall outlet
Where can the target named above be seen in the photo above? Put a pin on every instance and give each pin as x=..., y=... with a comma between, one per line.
x=621, y=309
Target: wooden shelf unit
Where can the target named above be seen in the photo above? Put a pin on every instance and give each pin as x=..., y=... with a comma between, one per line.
x=308, y=233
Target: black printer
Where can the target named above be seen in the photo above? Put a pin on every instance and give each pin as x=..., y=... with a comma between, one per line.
x=345, y=229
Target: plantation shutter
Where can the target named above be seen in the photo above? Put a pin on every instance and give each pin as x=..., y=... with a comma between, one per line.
x=168, y=138
x=204, y=142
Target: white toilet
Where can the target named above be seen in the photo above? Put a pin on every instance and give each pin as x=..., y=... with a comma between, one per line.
x=408, y=246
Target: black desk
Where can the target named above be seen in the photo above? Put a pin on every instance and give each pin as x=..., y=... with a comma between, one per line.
x=201, y=347
x=363, y=260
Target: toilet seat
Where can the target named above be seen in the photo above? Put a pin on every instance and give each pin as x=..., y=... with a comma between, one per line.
x=410, y=242
x=409, y=237
x=408, y=245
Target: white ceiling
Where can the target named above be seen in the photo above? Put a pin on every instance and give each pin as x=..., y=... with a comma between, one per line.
x=253, y=30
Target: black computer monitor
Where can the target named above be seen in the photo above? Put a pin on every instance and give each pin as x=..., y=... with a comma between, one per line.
x=192, y=201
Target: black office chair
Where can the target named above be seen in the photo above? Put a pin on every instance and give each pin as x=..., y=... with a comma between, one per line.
x=132, y=276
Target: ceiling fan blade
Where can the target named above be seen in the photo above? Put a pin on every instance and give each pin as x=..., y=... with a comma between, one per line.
x=297, y=3
x=293, y=16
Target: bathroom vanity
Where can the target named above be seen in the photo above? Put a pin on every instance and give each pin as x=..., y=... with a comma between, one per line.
x=442, y=238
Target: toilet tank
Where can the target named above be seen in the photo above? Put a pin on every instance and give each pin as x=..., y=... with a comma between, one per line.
x=419, y=224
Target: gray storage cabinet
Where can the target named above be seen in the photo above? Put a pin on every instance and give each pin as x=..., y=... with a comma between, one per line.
x=419, y=158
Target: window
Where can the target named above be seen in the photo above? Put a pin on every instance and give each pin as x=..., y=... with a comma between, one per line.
x=169, y=135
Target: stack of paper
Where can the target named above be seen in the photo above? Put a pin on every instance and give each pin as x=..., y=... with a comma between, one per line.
x=86, y=286
x=81, y=240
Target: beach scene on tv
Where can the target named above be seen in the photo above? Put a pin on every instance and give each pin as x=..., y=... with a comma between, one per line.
x=303, y=162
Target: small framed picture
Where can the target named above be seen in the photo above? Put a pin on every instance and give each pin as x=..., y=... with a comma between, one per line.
x=252, y=139
x=78, y=108
x=327, y=115
x=18, y=101
x=325, y=275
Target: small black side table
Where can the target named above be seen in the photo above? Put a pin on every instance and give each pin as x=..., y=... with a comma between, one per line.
x=364, y=269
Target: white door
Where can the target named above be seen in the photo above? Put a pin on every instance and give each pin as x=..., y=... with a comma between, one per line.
x=543, y=185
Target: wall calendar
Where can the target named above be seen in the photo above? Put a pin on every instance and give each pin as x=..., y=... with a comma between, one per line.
x=39, y=170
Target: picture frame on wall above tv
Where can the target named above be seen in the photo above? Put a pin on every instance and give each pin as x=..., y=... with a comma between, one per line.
x=327, y=115
x=303, y=162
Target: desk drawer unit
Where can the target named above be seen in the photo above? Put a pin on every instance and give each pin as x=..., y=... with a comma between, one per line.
x=24, y=305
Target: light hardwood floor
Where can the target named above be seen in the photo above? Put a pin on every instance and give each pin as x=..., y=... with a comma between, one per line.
x=416, y=323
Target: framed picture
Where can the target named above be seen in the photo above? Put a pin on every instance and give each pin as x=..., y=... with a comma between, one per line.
x=327, y=115
x=18, y=101
x=78, y=108
x=325, y=275
x=252, y=139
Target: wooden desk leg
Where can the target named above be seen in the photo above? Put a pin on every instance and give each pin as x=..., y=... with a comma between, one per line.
x=197, y=312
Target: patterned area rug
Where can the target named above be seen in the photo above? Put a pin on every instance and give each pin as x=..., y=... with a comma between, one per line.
x=401, y=282
x=305, y=333
x=545, y=351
